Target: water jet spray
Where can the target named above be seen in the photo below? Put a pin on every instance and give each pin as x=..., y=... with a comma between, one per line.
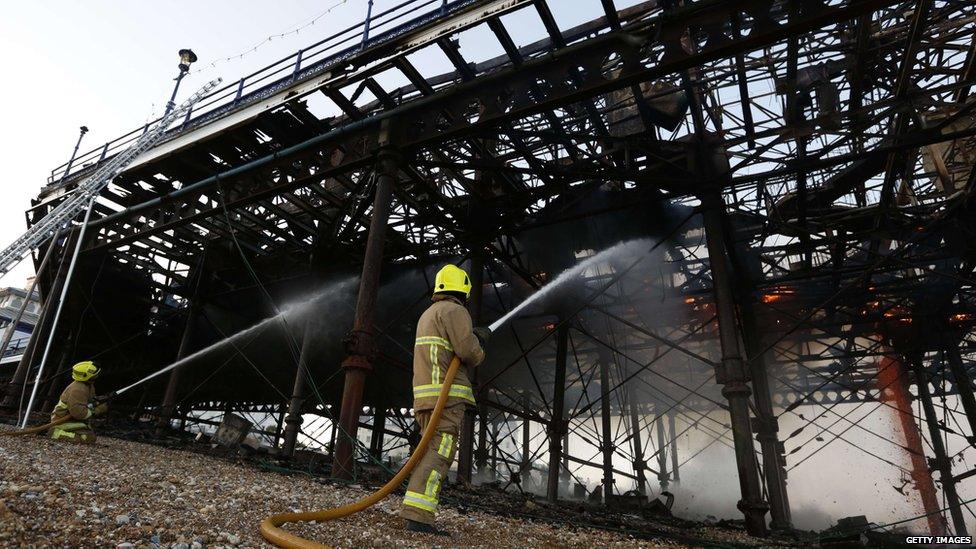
x=568, y=276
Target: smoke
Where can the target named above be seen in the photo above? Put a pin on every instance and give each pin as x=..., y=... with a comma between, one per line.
x=839, y=480
x=569, y=276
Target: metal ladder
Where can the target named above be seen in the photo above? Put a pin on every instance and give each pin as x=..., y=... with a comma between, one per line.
x=74, y=204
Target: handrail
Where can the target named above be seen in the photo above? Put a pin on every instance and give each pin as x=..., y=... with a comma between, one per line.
x=330, y=51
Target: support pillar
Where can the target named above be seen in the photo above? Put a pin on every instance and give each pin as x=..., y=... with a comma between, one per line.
x=673, y=437
x=361, y=341
x=334, y=434
x=495, y=427
x=663, y=478
x=893, y=385
x=379, y=429
x=43, y=326
x=279, y=426
x=564, y=475
x=557, y=425
x=185, y=411
x=525, y=466
x=606, y=439
x=766, y=424
x=172, y=386
x=964, y=386
x=21, y=371
x=640, y=466
x=466, y=450
x=732, y=373
x=481, y=455
x=942, y=462
x=293, y=416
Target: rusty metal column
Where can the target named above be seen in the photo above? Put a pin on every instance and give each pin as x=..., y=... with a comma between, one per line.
x=293, y=417
x=183, y=411
x=466, y=450
x=892, y=380
x=495, y=426
x=942, y=462
x=279, y=426
x=379, y=429
x=361, y=340
x=172, y=386
x=766, y=425
x=672, y=436
x=639, y=464
x=525, y=466
x=482, y=453
x=964, y=385
x=606, y=439
x=731, y=373
x=557, y=425
x=662, y=455
x=335, y=433
x=189, y=328
x=564, y=475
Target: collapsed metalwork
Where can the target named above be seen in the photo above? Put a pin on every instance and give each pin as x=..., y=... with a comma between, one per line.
x=803, y=170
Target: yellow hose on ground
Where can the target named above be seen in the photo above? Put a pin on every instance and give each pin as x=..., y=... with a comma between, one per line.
x=37, y=429
x=270, y=526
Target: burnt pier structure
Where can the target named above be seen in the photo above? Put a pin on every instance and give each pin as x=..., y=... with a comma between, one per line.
x=799, y=174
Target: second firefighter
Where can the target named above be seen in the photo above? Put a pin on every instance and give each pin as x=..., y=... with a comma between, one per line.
x=443, y=332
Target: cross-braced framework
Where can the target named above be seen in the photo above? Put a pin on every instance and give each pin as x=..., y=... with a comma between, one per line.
x=797, y=177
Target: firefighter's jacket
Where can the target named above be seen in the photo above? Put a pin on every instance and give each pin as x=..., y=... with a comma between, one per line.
x=74, y=401
x=444, y=330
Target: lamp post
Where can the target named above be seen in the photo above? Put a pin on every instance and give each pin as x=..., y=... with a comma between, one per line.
x=186, y=58
x=67, y=168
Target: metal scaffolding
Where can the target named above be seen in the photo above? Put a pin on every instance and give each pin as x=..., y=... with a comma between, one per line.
x=802, y=173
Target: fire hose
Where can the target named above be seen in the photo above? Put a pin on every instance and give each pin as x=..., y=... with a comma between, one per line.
x=55, y=423
x=270, y=527
x=38, y=429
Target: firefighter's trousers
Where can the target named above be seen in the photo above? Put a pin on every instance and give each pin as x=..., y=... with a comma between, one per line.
x=72, y=431
x=420, y=502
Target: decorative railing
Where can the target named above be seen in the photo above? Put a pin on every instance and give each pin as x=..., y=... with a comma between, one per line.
x=334, y=50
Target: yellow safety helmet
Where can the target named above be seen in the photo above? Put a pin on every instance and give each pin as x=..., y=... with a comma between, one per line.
x=452, y=278
x=85, y=371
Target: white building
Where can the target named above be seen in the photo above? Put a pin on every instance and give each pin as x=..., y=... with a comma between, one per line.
x=11, y=300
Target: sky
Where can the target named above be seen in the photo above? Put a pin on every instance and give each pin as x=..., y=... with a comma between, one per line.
x=109, y=65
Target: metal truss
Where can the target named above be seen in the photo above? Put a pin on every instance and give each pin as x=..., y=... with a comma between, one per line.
x=809, y=165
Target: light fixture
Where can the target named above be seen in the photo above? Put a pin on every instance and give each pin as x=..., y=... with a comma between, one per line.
x=186, y=58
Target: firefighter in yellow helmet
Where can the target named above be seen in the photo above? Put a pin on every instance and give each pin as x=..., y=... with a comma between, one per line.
x=78, y=401
x=443, y=331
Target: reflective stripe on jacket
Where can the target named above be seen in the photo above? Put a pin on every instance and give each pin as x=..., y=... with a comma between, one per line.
x=443, y=331
x=74, y=401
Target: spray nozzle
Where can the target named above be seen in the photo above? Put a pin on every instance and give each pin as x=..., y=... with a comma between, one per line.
x=483, y=333
x=106, y=398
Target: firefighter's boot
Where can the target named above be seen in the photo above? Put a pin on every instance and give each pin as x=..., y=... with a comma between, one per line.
x=423, y=528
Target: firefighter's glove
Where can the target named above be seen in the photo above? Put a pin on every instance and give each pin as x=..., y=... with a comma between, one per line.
x=483, y=334
x=100, y=409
